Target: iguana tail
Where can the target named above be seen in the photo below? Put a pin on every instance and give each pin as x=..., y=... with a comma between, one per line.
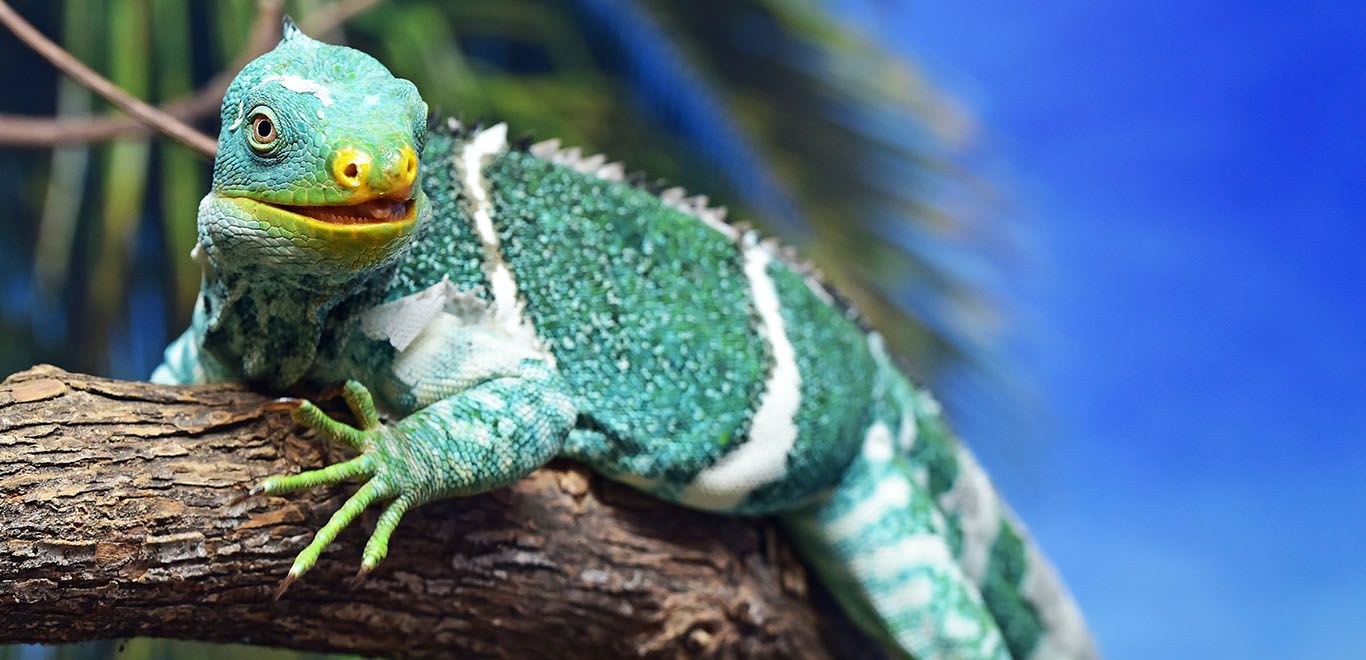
x=920, y=552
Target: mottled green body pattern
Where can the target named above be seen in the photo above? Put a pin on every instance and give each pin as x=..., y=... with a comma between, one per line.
x=507, y=306
x=645, y=310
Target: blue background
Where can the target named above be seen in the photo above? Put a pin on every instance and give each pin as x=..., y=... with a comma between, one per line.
x=1190, y=177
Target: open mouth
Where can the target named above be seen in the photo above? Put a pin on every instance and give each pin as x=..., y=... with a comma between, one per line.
x=375, y=211
x=364, y=229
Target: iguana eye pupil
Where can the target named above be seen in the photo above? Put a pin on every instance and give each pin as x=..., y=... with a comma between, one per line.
x=265, y=130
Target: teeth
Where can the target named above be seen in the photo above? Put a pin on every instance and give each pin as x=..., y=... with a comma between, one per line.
x=373, y=211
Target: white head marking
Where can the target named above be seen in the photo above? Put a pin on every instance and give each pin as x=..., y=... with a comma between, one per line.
x=238, y=121
x=299, y=85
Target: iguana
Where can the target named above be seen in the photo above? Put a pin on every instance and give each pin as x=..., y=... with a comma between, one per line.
x=508, y=305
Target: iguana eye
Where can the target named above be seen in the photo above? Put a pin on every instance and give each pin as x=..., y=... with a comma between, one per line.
x=263, y=132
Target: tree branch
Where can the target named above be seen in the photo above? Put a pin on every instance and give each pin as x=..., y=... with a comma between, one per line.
x=150, y=115
x=45, y=132
x=24, y=131
x=115, y=520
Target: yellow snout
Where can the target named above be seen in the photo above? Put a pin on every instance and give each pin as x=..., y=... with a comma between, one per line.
x=391, y=175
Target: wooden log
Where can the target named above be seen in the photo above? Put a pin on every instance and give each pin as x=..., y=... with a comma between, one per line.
x=117, y=519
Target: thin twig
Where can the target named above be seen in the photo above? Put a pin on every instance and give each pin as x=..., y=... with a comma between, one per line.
x=140, y=110
x=24, y=131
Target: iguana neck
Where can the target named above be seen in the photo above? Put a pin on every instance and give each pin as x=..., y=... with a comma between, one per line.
x=272, y=328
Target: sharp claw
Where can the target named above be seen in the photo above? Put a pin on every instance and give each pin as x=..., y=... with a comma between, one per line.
x=251, y=492
x=360, y=576
x=284, y=403
x=284, y=584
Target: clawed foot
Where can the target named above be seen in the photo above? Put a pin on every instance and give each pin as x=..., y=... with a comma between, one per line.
x=370, y=439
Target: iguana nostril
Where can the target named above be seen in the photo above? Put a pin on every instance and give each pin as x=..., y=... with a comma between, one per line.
x=350, y=167
x=401, y=170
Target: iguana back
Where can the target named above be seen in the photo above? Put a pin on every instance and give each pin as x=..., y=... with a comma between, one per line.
x=515, y=304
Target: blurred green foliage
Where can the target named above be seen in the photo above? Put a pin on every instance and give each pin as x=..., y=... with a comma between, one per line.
x=95, y=265
x=870, y=155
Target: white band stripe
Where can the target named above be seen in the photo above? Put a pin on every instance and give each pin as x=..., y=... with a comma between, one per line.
x=762, y=459
x=491, y=141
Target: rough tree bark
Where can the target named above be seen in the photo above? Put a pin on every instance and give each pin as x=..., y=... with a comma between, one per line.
x=116, y=520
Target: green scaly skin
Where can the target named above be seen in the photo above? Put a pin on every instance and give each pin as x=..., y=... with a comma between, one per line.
x=508, y=306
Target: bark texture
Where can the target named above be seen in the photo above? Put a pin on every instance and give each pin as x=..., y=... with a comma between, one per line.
x=116, y=519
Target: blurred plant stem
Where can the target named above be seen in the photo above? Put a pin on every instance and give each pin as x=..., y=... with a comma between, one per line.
x=66, y=181
x=124, y=170
x=183, y=177
x=164, y=122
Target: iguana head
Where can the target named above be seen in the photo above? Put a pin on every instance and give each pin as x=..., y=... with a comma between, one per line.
x=317, y=161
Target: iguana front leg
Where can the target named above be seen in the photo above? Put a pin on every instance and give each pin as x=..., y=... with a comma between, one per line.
x=482, y=438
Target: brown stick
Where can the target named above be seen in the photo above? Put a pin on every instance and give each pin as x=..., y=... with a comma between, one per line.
x=150, y=115
x=24, y=131
x=17, y=130
x=115, y=520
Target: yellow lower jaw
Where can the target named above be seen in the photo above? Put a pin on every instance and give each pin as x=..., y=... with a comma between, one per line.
x=353, y=236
